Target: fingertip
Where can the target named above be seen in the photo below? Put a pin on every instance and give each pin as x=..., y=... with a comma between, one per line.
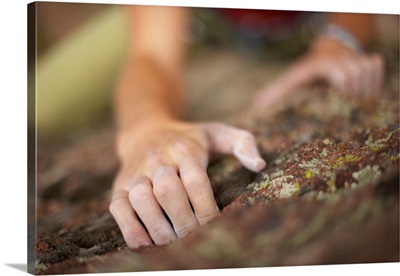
x=138, y=242
x=259, y=164
x=251, y=162
x=133, y=232
x=255, y=165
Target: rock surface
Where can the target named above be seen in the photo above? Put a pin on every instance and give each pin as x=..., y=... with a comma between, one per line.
x=329, y=193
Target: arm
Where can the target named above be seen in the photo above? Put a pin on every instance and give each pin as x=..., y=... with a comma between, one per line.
x=335, y=61
x=151, y=80
x=163, y=159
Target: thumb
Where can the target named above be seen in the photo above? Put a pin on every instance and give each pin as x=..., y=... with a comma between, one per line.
x=241, y=143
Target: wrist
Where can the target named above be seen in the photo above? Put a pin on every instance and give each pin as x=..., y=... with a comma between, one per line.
x=143, y=130
x=339, y=34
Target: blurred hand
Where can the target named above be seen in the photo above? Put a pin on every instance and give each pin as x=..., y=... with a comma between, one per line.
x=353, y=74
x=163, y=180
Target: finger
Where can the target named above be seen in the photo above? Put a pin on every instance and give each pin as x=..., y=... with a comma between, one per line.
x=171, y=195
x=366, y=77
x=240, y=143
x=337, y=79
x=297, y=75
x=353, y=77
x=133, y=232
x=147, y=208
x=377, y=72
x=195, y=180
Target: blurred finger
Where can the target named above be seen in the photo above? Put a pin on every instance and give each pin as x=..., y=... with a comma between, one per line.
x=378, y=73
x=337, y=79
x=354, y=77
x=297, y=75
x=366, y=78
x=147, y=208
x=134, y=233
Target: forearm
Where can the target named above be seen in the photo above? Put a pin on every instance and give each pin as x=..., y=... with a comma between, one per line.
x=151, y=82
x=145, y=92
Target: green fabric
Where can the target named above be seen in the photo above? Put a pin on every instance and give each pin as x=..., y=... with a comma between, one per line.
x=76, y=78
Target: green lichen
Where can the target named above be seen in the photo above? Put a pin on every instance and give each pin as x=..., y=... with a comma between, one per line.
x=41, y=266
x=327, y=142
x=378, y=144
x=262, y=184
x=287, y=190
x=367, y=174
x=283, y=187
x=251, y=200
x=324, y=153
x=296, y=157
x=277, y=173
x=330, y=180
x=280, y=160
x=311, y=166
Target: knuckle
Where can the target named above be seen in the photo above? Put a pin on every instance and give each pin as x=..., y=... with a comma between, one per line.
x=195, y=180
x=116, y=204
x=164, y=173
x=139, y=192
x=216, y=125
x=184, y=146
x=155, y=157
x=166, y=190
x=246, y=136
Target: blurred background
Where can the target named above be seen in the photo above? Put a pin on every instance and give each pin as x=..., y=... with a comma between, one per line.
x=230, y=57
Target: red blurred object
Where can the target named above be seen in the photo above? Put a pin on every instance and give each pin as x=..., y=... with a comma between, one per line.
x=261, y=21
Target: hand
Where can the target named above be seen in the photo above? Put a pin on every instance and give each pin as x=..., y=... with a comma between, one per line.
x=353, y=74
x=163, y=180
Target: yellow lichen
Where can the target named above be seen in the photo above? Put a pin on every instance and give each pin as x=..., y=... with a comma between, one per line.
x=394, y=158
x=308, y=174
x=351, y=158
x=338, y=162
x=347, y=158
x=297, y=185
x=266, y=185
